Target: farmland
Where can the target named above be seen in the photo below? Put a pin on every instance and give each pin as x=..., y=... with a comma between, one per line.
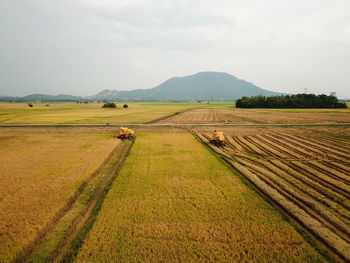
x=145, y=112
x=173, y=201
x=305, y=171
x=246, y=116
x=69, y=113
x=41, y=174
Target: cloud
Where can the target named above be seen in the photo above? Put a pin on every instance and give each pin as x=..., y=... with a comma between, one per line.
x=82, y=47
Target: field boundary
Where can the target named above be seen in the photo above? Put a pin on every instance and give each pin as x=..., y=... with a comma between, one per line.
x=73, y=203
x=69, y=248
x=168, y=116
x=330, y=253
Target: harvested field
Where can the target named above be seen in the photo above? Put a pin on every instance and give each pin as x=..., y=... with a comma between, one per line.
x=245, y=116
x=173, y=201
x=40, y=175
x=304, y=171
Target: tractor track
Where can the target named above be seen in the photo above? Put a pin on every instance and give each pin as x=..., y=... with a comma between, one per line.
x=301, y=151
x=43, y=233
x=329, y=173
x=322, y=186
x=283, y=178
x=280, y=137
x=275, y=146
x=296, y=181
x=332, y=145
x=270, y=150
x=307, y=205
x=322, y=181
x=325, y=152
x=328, y=148
x=335, y=166
x=313, y=178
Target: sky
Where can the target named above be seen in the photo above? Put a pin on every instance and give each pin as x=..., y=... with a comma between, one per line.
x=83, y=47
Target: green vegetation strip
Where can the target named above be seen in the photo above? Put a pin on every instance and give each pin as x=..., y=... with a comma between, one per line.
x=173, y=201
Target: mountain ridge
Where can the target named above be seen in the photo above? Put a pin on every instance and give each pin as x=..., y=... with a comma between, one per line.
x=206, y=85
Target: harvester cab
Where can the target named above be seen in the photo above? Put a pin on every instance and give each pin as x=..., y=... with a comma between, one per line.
x=125, y=133
x=218, y=138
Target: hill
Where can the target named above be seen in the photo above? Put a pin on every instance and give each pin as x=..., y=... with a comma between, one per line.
x=201, y=86
x=215, y=86
x=42, y=97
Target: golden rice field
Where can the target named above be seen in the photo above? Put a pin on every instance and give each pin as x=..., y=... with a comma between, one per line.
x=174, y=201
x=40, y=174
x=306, y=173
x=144, y=112
x=92, y=113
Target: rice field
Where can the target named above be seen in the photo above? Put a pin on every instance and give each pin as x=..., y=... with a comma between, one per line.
x=248, y=116
x=40, y=174
x=92, y=113
x=306, y=174
x=173, y=201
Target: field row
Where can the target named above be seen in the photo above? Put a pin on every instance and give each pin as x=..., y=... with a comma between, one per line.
x=308, y=177
x=244, y=116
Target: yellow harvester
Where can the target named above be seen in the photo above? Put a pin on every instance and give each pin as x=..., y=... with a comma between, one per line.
x=125, y=133
x=218, y=138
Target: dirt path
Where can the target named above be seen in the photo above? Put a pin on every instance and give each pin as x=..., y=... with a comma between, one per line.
x=74, y=204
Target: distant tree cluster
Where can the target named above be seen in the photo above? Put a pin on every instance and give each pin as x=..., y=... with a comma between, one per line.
x=109, y=105
x=291, y=101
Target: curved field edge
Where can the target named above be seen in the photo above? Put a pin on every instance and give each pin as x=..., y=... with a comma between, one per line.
x=330, y=243
x=175, y=201
x=54, y=242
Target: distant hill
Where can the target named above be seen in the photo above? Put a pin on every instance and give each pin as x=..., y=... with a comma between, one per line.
x=106, y=95
x=42, y=97
x=201, y=86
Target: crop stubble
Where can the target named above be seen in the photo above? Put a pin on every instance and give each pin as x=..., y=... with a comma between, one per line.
x=307, y=175
x=249, y=116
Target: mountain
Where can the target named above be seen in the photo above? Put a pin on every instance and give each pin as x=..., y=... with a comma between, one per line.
x=105, y=94
x=61, y=97
x=201, y=86
x=42, y=97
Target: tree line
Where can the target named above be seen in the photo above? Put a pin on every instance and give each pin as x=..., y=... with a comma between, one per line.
x=291, y=101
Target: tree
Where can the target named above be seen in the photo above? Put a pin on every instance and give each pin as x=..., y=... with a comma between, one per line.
x=292, y=101
x=109, y=105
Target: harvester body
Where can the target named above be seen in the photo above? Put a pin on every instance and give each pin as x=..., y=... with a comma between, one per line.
x=218, y=138
x=125, y=133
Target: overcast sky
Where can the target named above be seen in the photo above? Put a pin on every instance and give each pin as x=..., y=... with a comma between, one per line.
x=82, y=47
